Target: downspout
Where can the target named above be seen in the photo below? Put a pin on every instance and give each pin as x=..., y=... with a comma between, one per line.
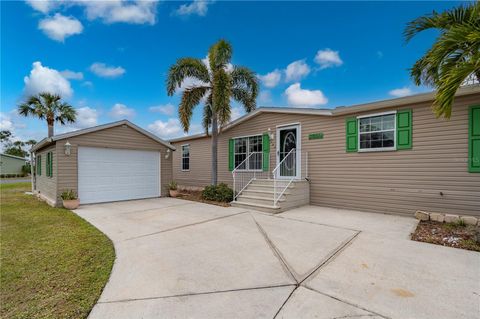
x=32, y=172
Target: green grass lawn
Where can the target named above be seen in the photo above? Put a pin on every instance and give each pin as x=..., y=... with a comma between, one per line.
x=53, y=263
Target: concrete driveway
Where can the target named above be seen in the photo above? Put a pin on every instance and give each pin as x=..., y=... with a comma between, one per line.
x=181, y=259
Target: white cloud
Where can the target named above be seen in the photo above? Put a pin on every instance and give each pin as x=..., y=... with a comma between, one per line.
x=271, y=79
x=401, y=92
x=121, y=111
x=109, y=11
x=86, y=117
x=265, y=97
x=6, y=122
x=170, y=128
x=44, y=79
x=134, y=12
x=103, y=70
x=296, y=70
x=328, y=58
x=167, y=109
x=43, y=6
x=297, y=96
x=236, y=113
x=87, y=84
x=60, y=27
x=197, y=7
x=72, y=75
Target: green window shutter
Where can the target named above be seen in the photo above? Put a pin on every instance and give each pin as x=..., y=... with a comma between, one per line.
x=231, y=144
x=39, y=165
x=266, y=151
x=51, y=164
x=48, y=164
x=474, y=139
x=352, y=134
x=404, y=129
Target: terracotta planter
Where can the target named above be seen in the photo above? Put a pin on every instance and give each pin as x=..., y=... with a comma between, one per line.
x=173, y=193
x=71, y=204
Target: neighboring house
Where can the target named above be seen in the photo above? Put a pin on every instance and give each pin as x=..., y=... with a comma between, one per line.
x=11, y=165
x=111, y=162
x=390, y=156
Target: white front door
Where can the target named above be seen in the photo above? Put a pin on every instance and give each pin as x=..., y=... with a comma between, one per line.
x=289, y=151
x=107, y=174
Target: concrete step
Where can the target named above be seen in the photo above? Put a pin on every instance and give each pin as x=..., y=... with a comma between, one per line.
x=257, y=199
x=262, y=193
x=269, y=182
x=259, y=207
x=261, y=187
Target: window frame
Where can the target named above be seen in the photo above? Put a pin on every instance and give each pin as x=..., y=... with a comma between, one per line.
x=247, y=137
x=378, y=149
x=182, y=157
x=49, y=164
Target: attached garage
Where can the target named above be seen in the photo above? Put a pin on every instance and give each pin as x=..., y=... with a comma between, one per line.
x=111, y=174
x=112, y=162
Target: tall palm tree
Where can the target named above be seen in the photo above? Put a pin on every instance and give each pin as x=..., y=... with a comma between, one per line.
x=215, y=84
x=50, y=107
x=453, y=58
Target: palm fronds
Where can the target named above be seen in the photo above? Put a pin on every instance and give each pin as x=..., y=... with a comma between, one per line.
x=454, y=55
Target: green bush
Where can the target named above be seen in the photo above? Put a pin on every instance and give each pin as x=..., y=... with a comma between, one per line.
x=219, y=193
x=26, y=169
x=69, y=195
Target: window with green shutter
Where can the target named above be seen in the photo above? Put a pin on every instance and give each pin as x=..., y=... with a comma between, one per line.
x=404, y=129
x=352, y=134
x=49, y=164
x=474, y=139
x=39, y=165
x=266, y=151
x=230, y=154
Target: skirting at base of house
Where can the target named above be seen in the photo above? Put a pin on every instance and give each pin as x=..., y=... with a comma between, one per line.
x=46, y=199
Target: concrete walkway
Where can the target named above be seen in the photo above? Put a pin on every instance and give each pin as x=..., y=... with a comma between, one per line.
x=181, y=259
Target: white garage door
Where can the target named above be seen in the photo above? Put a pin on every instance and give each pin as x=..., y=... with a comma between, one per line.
x=107, y=175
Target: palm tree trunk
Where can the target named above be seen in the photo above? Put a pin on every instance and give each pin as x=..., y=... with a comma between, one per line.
x=50, y=130
x=214, y=149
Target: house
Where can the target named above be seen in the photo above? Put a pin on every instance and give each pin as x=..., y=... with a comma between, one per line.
x=111, y=162
x=389, y=156
x=12, y=165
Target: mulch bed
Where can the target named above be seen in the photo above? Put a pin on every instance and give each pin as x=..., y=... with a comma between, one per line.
x=196, y=196
x=451, y=235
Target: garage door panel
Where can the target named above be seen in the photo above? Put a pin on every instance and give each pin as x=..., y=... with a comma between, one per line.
x=115, y=174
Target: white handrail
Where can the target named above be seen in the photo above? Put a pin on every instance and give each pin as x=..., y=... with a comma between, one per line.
x=277, y=198
x=235, y=195
x=279, y=164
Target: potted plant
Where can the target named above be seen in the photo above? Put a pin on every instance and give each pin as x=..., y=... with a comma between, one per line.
x=172, y=186
x=70, y=199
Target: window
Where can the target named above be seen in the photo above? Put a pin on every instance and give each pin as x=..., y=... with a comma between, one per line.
x=185, y=157
x=377, y=132
x=49, y=164
x=39, y=165
x=243, y=147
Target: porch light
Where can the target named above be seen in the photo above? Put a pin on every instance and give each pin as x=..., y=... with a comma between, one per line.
x=168, y=154
x=68, y=148
x=271, y=134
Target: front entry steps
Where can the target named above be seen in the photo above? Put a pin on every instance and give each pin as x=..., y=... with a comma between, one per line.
x=258, y=195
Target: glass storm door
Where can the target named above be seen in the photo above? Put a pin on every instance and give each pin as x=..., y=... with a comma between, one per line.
x=287, y=151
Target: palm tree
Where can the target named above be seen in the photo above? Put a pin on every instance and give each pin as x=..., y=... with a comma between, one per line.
x=50, y=107
x=215, y=84
x=455, y=56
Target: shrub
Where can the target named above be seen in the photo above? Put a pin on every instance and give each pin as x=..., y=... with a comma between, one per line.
x=172, y=185
x=26, y=169
x=69, y=195
x=219, y=193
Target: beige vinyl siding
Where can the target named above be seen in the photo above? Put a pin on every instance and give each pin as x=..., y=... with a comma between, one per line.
x=121, y=137
x=48, y=185
x=432, y=176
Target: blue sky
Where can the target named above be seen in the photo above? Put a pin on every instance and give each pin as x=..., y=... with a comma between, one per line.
x=110, y=59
